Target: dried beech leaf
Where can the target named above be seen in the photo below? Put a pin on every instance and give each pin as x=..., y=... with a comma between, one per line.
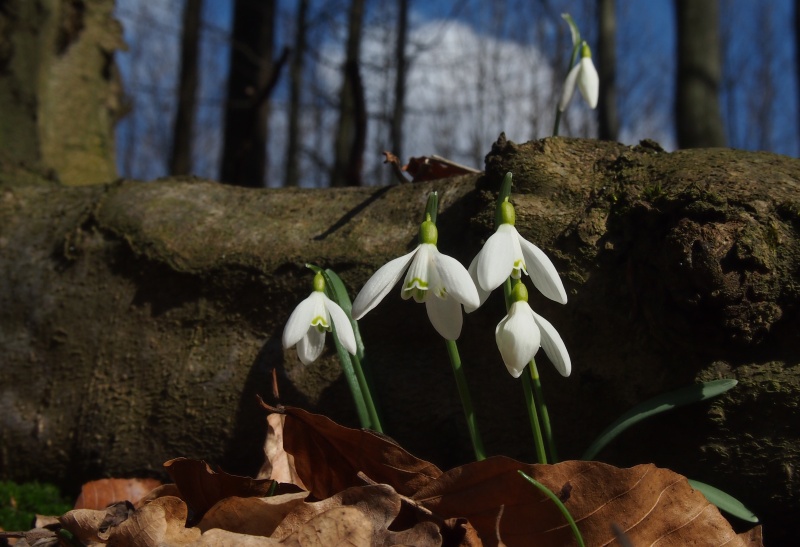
x=159, y=492
x=224, y=538
x=648, y=503
x=433, y=167
x=328, y=456
x=252, y=516
x=160, y=522
x=337, y=526
x=84, y=524
x=279, y=466
x=101, y=493
x=379, y=506
x=201, y=488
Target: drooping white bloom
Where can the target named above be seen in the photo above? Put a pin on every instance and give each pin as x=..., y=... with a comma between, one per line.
x=440, y=281
x=507, y=254
x=584, y=74
x=309, y=322
x=519, y=336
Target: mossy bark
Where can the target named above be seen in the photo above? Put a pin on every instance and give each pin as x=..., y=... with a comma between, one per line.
x=138, y=322
x=60, y=93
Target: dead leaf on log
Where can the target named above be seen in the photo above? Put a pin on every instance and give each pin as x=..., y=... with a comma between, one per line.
x=328, y=456
x=435, y=167
x=101, y=493
x=648, y=503
x=201, y=487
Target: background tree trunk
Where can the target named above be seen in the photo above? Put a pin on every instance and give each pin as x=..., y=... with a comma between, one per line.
x=607, y=68
x=181, y=157
x=401, y=70
x=59, y=89
x=134, y=331
x=351, y=135
x=697, y=110
x=295, y=95
x=244, y=156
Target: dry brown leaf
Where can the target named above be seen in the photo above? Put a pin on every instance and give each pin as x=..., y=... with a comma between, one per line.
x=328, y=456
x=84, y=524
x=377, y=506
x=160, y=522
x=201, y=487
x=224, y=538
x=101, y=493
x=252, y=516
x=434, y=167
x=279, y=466
x=648, y=503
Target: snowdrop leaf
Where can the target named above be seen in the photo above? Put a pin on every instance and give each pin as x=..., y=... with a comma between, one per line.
x=724, y=501
x=658, y=404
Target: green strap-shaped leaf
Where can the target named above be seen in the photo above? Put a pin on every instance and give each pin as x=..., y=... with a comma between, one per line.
x=561, y=507
x=724, y=501
x=658, y=404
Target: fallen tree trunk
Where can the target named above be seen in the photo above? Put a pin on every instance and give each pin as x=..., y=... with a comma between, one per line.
x=138, y=321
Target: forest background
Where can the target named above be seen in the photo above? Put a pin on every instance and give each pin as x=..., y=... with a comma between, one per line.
x=435, y=77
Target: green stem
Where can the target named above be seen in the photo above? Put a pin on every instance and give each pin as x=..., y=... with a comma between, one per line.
x=367, y=394
x=466, y=400
x=542, y=410
x=352, y=383
x=530, y=402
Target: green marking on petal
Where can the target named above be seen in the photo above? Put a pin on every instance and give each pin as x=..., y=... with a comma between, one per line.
x=321, y=323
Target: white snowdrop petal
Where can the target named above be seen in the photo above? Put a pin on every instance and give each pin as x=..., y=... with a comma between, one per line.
x=497, y=258
x=589, y=82
x=569, y=87
x=379, y=285
x=518, y=338
x=553, y=345
x=420, y=274
x=310, y=347
x=542, y=272
x=344, y=329
x=299, y=321
x=482, y=294
x=456, y=280
x=445, y=316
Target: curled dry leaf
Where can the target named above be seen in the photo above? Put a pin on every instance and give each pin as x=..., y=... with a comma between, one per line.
x=84, y=524
x=201, y=487
x=251, y=516
x=160, y=522
x=278, y=466
x=378, y=507
x=328, y=456
x=101, y=493
x=648, y=503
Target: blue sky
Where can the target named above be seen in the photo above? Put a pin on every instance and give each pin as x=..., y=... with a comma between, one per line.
x=759, y=96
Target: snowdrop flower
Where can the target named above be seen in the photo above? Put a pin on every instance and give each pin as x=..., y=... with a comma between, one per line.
x=309, y=321
x=520, y=334
x=585, y=75
x=431, y=277
x=506, y=253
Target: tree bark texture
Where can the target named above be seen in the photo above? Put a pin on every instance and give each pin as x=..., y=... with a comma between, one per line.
x=56, y=67
x=296, y=68
x=697, y=111
x=183, y=132
x=138, y=322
